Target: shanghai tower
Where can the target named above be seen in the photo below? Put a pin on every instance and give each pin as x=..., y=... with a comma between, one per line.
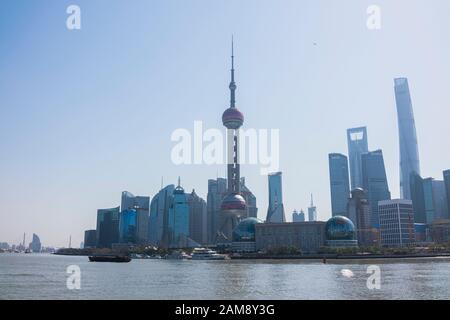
x=233, y=206
x=409, y=154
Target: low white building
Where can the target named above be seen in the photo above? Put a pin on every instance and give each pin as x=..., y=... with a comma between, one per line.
x=396, y=223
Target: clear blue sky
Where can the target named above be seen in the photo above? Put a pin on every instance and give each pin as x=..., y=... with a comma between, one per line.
x=87, y=114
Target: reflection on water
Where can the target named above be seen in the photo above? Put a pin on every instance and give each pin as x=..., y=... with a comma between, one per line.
x=44, y=277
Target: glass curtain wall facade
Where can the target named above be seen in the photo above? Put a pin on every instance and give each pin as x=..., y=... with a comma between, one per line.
x=418, y=197
x=250, y=199
x=375, y=182
x=359, y=212
x=159, y=211
x=142, y=206
x=275, y=212
x=440, y=199
x=339, y=183
x=197, y=218
x=409, y=151
x=447, y=190
x=357, y=145
x=90, y=238
x=298, y=216
x=107, y=227
x=128, y=226
x=178, y=224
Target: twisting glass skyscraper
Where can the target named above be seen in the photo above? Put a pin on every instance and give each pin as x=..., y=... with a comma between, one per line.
x=409, y=154
x=275, y=212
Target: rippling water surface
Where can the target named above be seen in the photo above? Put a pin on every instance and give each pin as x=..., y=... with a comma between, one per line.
x=33, y=276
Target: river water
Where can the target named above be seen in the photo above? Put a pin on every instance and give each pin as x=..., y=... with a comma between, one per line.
x=40, y=276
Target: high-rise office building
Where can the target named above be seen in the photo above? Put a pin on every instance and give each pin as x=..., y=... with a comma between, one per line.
x=178, y=219
x=217, y=189
x=197, y=218
x=416, y=187
x=440, y=231
x=35, y=245
x=275, y=212
x=298, y=216
x=396, y=223
x=447, y=189
x=409, y=151
x=435, y=200
x=440, y=199
x=357, y=145
x=90, y=238
x=250, y=200
x=142, y=206
x=159, y=212
x=359, y=212
x=128, y=226
x=430, y=208
x=312, y=211
x=107, y=227
x=339, y=183
x=374, y=181
x=233, y=206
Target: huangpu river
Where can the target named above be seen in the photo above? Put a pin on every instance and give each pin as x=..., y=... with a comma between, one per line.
x=41, y=276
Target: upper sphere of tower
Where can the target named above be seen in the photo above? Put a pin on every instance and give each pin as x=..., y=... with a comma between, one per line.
x=232, y=118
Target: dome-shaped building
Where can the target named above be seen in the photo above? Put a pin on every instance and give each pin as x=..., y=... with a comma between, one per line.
x=244, y=235
x=340, y=232
x=245, y=230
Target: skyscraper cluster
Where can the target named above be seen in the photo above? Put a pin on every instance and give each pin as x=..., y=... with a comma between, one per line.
x=360, y=200
x=176, y=219
x=359, y=187
x=173, y=218
x=367, y=178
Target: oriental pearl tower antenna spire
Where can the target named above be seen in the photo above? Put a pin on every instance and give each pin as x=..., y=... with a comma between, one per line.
x=232, y=83
x=233, y=206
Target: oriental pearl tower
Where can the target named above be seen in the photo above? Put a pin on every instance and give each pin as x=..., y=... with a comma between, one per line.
x=233, y=205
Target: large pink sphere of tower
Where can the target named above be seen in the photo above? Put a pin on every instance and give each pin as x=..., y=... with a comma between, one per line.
x=232, y=118
x=234, y=204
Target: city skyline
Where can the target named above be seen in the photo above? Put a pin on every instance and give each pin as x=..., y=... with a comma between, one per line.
x=66, y=156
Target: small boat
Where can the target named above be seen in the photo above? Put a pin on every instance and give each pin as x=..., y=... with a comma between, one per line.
x=178, y=255
x=206, y=254
x=105, y=258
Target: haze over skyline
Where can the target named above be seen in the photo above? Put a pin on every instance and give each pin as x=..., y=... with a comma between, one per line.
x=87, y=114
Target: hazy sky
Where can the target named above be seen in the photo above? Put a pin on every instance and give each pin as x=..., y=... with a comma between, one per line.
x=86, y=114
